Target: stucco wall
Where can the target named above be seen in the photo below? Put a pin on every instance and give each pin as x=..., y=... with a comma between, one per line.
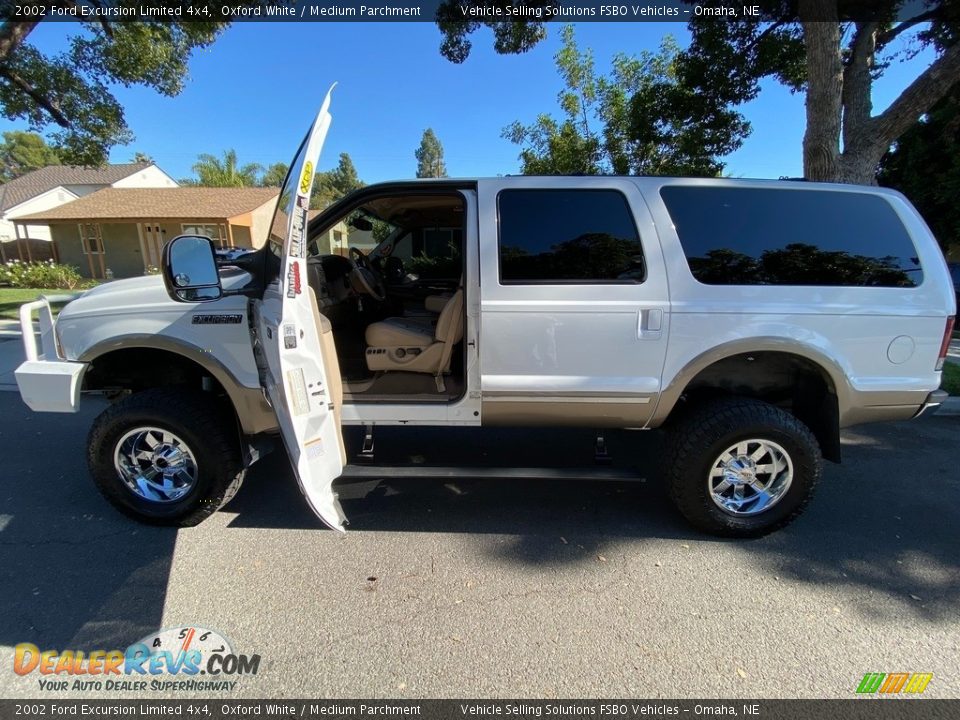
x=260, y=225
x=121, y=248
x=45, y=201
x=151, y=177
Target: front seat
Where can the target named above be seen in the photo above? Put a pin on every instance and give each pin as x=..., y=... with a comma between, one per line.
x=399, y=344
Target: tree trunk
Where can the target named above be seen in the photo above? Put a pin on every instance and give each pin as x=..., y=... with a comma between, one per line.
x=12, y=34
x=821, y=142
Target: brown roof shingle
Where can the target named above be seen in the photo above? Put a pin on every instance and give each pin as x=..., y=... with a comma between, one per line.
x=47, y=178
x=135, y=204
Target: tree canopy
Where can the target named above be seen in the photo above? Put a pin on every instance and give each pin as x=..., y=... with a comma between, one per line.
x=834, y=50
x=429, y=154
x=330, y=186
x=930, y=149
x=69, y=93
x=226, y=171
x=274, y=175
x=21, y=152
x=638, y=120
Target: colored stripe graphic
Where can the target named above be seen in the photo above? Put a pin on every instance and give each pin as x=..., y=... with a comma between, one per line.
x=871, y=682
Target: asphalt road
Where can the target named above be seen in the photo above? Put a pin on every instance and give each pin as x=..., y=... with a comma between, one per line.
x=486, y=589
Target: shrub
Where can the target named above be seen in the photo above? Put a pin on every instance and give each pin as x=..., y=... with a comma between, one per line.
x=40, y=275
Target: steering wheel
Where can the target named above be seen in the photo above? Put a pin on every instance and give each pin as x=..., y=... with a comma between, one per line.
x=365, y=276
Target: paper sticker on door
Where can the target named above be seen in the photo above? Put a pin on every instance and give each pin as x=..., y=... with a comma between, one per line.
x=289, y=336
x=313, y=448
x=297, y=389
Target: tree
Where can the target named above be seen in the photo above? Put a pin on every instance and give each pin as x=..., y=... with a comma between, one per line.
x=638, y=120
x=429, y=156
x=834, y=50
x=213, y=172
x=330, y=186
x=141, y=157
x=71, y=91
x=21, y=152
x=274, y=175
x=930, y=149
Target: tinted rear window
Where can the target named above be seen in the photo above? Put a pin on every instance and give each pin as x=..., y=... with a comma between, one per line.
x=761, y=236
x=568, y=236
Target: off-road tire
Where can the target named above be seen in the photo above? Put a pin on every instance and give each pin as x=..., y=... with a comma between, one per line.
x=202, y=421
x=702, y=433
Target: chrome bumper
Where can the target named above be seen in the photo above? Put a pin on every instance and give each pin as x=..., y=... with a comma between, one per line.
x=933, y=401
x=47, y=382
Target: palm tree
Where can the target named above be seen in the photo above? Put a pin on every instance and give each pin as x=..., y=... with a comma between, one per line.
x=214, y=172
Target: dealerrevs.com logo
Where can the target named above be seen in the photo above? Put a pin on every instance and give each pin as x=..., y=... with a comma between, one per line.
x=187, y=659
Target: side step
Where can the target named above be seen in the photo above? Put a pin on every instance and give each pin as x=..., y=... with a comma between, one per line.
x=378, y=472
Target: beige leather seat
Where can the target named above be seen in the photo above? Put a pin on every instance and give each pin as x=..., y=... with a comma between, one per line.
x=399, y=344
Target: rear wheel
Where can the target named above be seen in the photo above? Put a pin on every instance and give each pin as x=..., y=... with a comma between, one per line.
x=739, y=467
x=166, y=456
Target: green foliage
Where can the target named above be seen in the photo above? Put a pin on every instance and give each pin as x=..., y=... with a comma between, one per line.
x=227, y=172
x=951, y=378
x=330, y=186
x=727, y=61
x=930, y=149
x=441, y=267
x=40, y=275
x=70, y=91
x=638, y=120
x=274, y=175
x=139, y=157
x=429, y=156
x=21, y=152
x=798, y=264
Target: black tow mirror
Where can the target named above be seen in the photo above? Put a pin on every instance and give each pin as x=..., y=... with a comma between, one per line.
x=190, y=269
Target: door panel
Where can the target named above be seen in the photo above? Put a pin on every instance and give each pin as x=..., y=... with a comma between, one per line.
x=299, y=371
x=596, y=349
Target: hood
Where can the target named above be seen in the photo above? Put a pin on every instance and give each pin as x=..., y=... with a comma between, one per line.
x=141, y=295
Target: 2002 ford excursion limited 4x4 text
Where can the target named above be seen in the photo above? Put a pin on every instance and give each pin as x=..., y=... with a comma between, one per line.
x=749, y=320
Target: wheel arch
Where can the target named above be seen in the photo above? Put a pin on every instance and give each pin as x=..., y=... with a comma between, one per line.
x=141, y=356
x=799, y=377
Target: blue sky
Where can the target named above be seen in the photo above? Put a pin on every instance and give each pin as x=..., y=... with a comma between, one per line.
x=256, y=89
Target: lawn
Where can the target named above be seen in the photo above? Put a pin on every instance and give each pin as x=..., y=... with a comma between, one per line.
x=951, y=378
x=12, y=298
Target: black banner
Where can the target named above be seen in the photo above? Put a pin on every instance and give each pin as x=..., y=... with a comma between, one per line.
x=445, y=10
x=854, y=709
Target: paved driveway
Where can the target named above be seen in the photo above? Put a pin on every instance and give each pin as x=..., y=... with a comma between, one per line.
x=561, y=589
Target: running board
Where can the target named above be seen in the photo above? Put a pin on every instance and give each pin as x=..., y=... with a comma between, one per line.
x=382, y=472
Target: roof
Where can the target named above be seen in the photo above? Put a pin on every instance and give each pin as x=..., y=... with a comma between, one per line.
x=136, y=204
x=47, y=178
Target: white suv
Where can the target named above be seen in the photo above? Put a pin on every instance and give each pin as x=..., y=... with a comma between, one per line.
x=749, y=319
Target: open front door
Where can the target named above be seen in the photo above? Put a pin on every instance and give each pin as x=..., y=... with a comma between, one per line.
x=294, y=345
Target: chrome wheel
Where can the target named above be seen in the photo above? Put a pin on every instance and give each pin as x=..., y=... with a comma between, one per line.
x=155, y=464
x=750, y=477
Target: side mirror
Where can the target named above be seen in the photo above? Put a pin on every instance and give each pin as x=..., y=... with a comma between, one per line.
x=190, y=269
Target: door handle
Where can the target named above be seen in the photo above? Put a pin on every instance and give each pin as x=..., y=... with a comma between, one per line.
x=649, y=324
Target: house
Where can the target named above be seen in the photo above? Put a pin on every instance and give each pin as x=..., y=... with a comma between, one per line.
x=120, y=232
x=55, y=185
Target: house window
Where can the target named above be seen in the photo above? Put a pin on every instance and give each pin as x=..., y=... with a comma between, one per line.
x=91, y=239
x=217, y=233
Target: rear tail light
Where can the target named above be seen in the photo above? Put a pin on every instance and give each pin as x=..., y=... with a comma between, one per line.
x=945, y=345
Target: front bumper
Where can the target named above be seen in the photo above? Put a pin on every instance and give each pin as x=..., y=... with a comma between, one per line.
x=47, y=382
x=933, y=401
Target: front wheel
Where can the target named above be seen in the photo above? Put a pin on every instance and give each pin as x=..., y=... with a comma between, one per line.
x=166, y=456
x=739, y=467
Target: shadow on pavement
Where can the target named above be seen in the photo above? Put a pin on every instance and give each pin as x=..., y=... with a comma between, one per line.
x=73, y=571
x=885, y=523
